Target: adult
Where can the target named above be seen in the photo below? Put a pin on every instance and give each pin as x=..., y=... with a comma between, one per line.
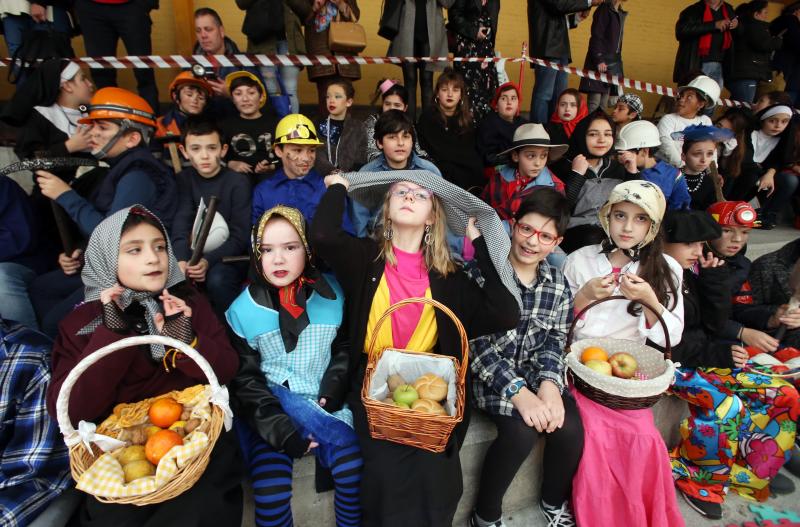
x=474, y=23
x=704, y=38
x=20, y=16
x=288, y=39
x=421, y=34
x=548, y=24
x=605, y=53
x=104, y=23
x=317, y=29
x=787, y=59
x=753, y=47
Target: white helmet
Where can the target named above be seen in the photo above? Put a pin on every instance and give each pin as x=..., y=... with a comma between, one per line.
x=636, y=135
x=217, y=235
x=706, y=86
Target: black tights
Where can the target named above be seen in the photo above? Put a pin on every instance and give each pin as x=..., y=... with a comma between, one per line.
x=515, y=440
x=425, y=81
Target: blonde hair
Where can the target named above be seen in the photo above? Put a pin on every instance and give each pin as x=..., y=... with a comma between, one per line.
x=437, y=253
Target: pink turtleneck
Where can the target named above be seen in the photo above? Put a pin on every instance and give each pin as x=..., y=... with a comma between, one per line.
x=408, y=279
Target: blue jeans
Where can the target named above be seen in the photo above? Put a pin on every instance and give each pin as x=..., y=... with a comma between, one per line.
x=713, y=70
x=289, y=76
x=549, y=85
x=15, y=26
x=743, y=90
x=14, y=282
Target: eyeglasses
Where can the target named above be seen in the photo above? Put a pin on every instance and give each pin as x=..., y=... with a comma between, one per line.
x=526, y=231
x=420, y=194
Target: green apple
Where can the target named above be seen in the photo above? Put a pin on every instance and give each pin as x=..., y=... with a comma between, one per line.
x=600, y=366
x=406, y=394
x=402, y=405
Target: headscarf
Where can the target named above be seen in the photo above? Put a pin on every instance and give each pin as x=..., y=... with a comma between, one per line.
x=569, y=126
x=41, y=88
x=100, y=271
x=646, y=195
x=291, y=299
x=577, y=142
x=503, y=88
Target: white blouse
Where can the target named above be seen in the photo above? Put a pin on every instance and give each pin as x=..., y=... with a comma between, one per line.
x=611, y=319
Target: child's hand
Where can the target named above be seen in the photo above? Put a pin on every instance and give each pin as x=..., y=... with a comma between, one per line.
x=197, y=272
x=739, y=355
x=323, y=401
x=759, y=339
x=532, y=409
x=182, y=266
x=51, y=185
x=264, y=166
x=70, y=264
x=312, y=445
x=634, y=288
x=79, y=141
x=472, y=230
x=628, y=160
x=111, y=294
x=767, y=182
x=240, y=166
x=551, y=396
x=710, y=261
x=172, y=305
x=788, y=317
x=335, y=177
x=580, y=164
x=599, y=287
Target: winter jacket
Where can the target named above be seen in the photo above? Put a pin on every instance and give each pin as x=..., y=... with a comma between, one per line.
x=688, y=30
x=548, y=27
x=753, y=45
x=671, y=182
x=495, y=135
x=605, y=45
x=403, y=43
x=769, y=275
x=293, y=12
x=463, y=18
x=787, y=59
x=350, y=153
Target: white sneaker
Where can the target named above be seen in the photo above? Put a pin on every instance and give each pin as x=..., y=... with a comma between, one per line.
x=558, y=516
x=473, y=522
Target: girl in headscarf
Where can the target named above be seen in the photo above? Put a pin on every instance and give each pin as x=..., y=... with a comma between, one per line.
x=611, y=486
x=293, y=374
x=135, y=287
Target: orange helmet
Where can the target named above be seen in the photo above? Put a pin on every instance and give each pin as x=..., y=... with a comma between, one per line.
x=117, y=104
x=187, y=78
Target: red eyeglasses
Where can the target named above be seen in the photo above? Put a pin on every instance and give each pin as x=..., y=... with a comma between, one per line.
x=526, y=231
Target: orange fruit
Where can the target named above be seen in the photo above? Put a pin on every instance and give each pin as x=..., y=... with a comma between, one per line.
x=164, y=412
x=593, y=353
x=159, y=444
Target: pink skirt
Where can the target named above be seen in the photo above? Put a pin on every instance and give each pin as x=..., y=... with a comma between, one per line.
x=624, y=477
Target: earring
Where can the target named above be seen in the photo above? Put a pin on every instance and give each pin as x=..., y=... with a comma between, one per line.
x=428, y=239
x=387, y=232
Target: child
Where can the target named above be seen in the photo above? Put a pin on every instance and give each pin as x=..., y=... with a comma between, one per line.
x=296, y=183
x=699, y=150
x=446, y=133
x=629, y=108
x=204, y=148
x=343, y=136
x=393, y=96
x=530, y=153
x=400, y=484
x=737, y=120
x=699, y=95
x=636, y=146
x=570, y=110
x=734, y=414
x=518, y=376
x=135, y=287
x=249, y=134
x=496, y=130
x=609, y=488
x=588, y=160
x=287, y=327
x=394, y=137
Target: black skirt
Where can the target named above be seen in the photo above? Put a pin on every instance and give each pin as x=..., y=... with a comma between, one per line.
x=214, y=500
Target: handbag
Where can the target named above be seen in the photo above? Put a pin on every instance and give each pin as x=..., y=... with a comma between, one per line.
x=263, y=20
x=346, y=37
x=36, y=45
x=281, y=103
x=392, y=14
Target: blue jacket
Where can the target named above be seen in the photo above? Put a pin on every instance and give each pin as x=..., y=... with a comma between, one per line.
x=671, y=182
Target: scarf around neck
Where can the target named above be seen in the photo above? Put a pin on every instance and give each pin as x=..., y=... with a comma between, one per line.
x=569, y=126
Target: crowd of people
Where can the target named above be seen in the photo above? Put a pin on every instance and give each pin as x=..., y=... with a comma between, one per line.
x=323, y=221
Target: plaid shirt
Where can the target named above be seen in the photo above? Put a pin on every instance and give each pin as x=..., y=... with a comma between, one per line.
x=532, y=352
x=34, y=463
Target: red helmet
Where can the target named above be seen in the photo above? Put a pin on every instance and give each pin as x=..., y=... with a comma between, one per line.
x=733, y=214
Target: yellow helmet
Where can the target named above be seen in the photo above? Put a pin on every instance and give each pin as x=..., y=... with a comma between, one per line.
x=296, y=129
x=242, y=73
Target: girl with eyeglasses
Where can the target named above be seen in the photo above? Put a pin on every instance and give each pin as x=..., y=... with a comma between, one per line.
x=402, y=485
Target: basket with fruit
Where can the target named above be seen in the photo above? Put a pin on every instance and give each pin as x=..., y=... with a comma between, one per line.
x=620, y=374
x=411, y=397
x=148, y=451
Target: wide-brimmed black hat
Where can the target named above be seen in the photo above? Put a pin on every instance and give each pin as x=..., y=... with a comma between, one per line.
x=688, y=226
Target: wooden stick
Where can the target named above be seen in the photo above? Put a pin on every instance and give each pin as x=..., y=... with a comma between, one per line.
x=200, y=244
x=174, y=157
x=235, y=259
x=62, y=224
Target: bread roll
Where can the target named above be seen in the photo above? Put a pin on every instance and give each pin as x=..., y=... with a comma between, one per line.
x=430, y=386
x=428, y=406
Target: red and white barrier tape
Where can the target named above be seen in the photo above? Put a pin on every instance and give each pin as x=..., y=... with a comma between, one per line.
x=255, y=60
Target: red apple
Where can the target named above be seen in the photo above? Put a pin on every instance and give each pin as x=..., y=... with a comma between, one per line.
x=600, y=366
x=623, y=365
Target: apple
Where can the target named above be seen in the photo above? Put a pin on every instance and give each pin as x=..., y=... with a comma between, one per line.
x=623, y=365
x=402, y=405
x=600, y=366
x=406, y=394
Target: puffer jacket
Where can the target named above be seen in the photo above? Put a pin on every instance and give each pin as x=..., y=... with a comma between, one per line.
x=753, y=45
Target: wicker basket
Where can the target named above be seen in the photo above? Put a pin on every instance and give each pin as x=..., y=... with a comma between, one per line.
x=613, y=392
x=426, y=431
x=81, y=457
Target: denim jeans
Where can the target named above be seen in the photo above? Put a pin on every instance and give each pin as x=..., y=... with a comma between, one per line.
x=15, y=26
x=743, y=90
x=713, y=70
x=15, y=279
x=549, y=85
x=289, y=76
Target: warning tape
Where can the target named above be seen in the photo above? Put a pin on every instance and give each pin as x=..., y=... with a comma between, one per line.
x=254, y=60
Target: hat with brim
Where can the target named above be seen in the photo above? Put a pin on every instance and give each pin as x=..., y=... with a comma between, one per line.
x=534, y=134
x=370, y=189
x=689, y=226
x=694, y=133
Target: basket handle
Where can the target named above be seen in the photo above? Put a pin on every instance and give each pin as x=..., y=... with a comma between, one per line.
x=667, y=346
x=462, y=367
x=71, y=436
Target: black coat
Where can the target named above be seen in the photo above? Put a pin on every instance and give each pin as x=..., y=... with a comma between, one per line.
x=753, y=45
x=463, y=17
x=688, y=30
x=787, y=58
x=547, y=27
x=605, y=45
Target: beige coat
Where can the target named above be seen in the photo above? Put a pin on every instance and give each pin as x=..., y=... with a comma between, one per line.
x=403, y=43
x=317, y=44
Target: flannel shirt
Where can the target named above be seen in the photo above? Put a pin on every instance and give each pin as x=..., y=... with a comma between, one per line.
x=34, y=462
x=533, y=352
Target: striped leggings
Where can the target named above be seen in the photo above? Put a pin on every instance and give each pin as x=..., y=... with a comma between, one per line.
x=271, y=474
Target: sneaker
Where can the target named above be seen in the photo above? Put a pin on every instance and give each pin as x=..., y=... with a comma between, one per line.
x=710, y=510
x=474, y=522
x=558, y=516
x=780, y=485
